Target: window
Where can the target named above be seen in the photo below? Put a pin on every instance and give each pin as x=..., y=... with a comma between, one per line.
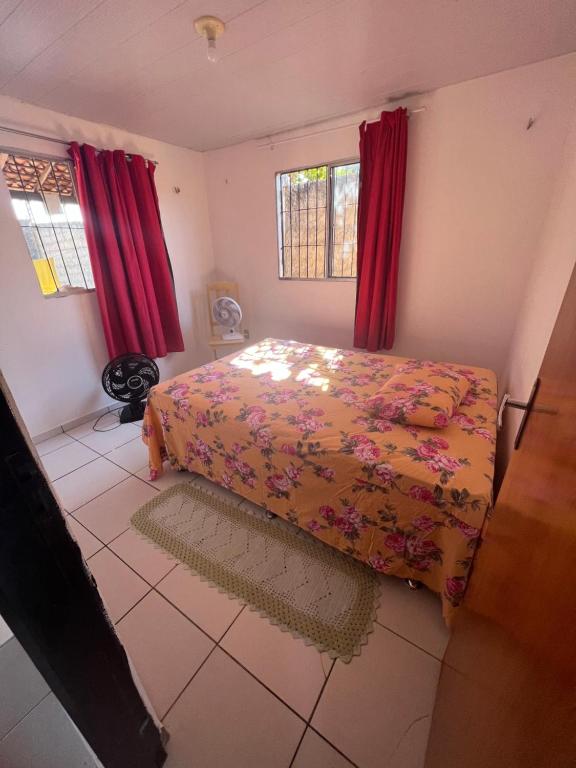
x=317, y=211
x=46, y=206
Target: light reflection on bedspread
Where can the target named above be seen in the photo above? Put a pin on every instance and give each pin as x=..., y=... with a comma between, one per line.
x=284, y=424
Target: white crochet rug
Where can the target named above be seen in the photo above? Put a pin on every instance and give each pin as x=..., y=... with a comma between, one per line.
x=298, y=583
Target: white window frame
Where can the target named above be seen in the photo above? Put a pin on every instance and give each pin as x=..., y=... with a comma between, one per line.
x=67, y=290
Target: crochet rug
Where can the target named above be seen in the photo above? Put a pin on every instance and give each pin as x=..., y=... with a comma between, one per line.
x=300, y=584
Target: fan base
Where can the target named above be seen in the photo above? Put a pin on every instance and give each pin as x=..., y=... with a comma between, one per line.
x=132, y=412
x=232, y=336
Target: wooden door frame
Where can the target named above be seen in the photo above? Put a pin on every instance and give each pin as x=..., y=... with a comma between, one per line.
x=51, y=603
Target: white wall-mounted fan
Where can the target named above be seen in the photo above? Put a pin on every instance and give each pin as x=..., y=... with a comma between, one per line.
x=228, y=313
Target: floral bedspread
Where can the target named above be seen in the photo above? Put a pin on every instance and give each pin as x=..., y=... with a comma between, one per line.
x=285, y=425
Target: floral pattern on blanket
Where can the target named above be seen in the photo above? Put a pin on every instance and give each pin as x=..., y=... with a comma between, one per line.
x=289, y=427
x=421, y=393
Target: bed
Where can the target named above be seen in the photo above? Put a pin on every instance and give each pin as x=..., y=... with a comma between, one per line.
x=285, y=425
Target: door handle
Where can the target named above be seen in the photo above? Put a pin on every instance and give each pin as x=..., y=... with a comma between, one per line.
x=527, y=407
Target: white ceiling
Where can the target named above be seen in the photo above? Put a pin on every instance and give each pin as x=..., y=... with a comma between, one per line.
x=139, y=65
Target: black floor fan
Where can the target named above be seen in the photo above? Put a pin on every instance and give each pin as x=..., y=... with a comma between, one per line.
x=129, y=378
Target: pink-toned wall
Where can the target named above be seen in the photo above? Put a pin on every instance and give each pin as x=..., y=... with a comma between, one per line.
x=478, y=192
x=52, y=350
x=488, y=231
x=545, y=288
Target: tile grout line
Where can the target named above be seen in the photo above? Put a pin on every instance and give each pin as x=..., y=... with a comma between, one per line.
x=127, y=564
x=115, y=538
x=91, y=534
x=29, y=712
x=312, y=728
x=153, y=588
x=216, y=645
x=115, y=623
x=106, y=545
x=132, y=474
x=179, y=696
x=101, y=456
x=105, y=456
x=96, y=432
x=106, y=491
x=324, y=684
x=315, y=730
x=118, y=466
x=263, y=684
x=230, y=656
x=71, y=512
x=54, y=450
x=334, y=747
x=411, y=642
x=234, y=620
x=216, y=642
x=62, y=429
x=301, y=739
x=212, y=639
x=60, y=477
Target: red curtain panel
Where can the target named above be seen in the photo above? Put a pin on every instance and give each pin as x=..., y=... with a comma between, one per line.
x=129, y=260
x=382, y=181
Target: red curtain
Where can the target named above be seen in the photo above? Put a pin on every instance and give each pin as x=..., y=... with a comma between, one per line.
x=129, y=260
x=380, y=206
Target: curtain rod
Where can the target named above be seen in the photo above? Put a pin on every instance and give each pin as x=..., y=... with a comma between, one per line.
x=271, y=143
x=43, y=137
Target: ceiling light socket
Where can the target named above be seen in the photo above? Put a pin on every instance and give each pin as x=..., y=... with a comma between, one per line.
x=211, y=28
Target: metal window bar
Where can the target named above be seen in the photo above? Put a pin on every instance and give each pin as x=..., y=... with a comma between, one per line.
x=294, y=199
x=346, y=187
x=57, y=240
x=291, y=229
x=329, y=222
x=41, y=179
x=332, y=213
x=307, y=223
x=73, y=230
x=70, y=229
x=32, y=218
x=343, y=224
x=316, y=237
x=300, y=238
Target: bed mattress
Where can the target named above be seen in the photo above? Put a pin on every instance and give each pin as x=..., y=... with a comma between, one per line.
x=285, y=425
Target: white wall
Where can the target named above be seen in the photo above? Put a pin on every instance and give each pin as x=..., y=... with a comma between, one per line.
x=477, y=222
x=478, y=190
x=547, y=283
x=52, y=351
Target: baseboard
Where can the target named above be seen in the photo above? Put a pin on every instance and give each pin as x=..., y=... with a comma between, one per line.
x=71, y=424
x=47, y=435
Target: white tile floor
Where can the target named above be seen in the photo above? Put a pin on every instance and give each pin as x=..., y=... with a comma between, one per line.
x=35, y=730
x=232, y=689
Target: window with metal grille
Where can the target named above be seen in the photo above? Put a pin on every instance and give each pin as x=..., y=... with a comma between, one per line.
x=317, y=212
x=46, y=205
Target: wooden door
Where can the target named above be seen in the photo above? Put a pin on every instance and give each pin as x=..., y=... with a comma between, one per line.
x=507, y=692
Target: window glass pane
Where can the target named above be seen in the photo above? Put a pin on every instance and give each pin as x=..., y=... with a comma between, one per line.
x=302, y=220
x=345, y=184
x=45, y=203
